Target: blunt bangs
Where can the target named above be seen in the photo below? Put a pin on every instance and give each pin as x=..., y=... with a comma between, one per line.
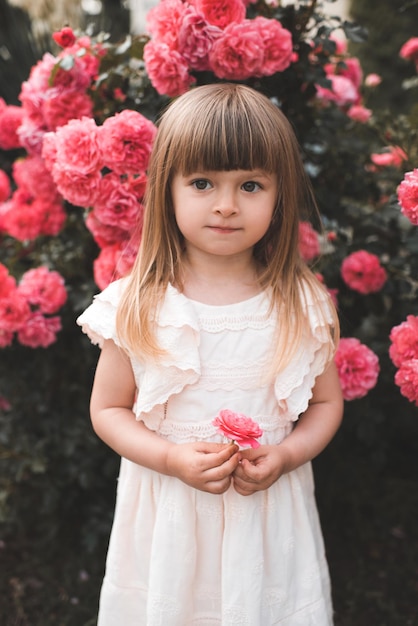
x=229, y=129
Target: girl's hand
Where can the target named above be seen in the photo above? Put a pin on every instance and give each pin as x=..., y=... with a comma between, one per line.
x=258, y=469
x=203, y=465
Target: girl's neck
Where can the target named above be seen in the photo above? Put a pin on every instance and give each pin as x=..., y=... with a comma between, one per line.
x=220, y=283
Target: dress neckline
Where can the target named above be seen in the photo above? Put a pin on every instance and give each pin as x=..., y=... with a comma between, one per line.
x=224, y=307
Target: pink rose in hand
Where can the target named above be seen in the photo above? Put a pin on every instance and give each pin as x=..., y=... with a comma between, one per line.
x=238, y=427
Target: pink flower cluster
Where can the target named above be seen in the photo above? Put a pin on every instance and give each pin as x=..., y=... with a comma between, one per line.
x=11, y=117
x=26, y=308
x=408, y=196
x=346, y=78
x=35, y=208
x=211, y=35
x=358, y=368
x=55, y=91
x=404, y=354
x=362, y=272
x=103, y=168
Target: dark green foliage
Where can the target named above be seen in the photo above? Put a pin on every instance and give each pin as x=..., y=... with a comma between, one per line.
x=390, y=24
x=19, y=50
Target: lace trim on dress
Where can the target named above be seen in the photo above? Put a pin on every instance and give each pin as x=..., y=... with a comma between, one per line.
x=274, y=428
x=216, y=325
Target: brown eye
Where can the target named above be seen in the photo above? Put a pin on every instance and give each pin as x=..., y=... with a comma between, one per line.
x=201, y=184
x=250, y=186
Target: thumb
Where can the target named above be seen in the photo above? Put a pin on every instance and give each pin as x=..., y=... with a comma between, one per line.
x=249, y=468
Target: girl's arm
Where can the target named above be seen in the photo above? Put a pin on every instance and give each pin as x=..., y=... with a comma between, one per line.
x=205, y=466
x=261, y=467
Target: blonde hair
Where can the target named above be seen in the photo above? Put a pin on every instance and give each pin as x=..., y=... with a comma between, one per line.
x=222, y=127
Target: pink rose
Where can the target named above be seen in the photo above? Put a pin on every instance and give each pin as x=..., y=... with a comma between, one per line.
x=372, y=80
x=237, y=427
x=195, y=39
x=221, y=13
x=404, y=338
x=137, y=184
x=362, y=272
x=53, y=216
x=409, y=49
x=64, y=37
x=393, y=156
x=407, y=379
x=104, y=267
x=359, y=113
x=116, y=205
x=167, y=70
x=125, y=141
x=342, y=91
x=5, y=187
x=238, y=54
x=79, y=189
x=39, y=331
x=44, y=289
x=76, y=147
x=14, y=311
x=164, y=21
x=24, y=217
x=7, y=282
x=104, y=234
x=38, y=81
x=31, y=136
x=353, y=71
x=6, y=338
x=66, y=106
x=11, y=118
x=308, y=242
x=358, y=368
x=277, y=45
x=31, y=174
x=408, y=196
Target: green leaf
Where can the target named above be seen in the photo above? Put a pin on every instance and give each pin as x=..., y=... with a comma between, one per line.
x=355, y=32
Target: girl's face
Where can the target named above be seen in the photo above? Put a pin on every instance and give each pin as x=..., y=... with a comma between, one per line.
x=224, y=213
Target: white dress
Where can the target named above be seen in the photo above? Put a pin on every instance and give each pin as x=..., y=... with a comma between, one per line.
x=179, y=556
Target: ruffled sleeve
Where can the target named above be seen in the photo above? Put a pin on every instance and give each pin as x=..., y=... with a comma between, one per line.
x=177, y=331
x=178, y=335
x=294, y=385
x=99, y=320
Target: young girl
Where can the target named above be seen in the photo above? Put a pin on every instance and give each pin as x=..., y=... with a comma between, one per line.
x=219, y=312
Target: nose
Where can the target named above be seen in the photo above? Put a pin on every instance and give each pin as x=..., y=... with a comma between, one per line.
x=226, y=204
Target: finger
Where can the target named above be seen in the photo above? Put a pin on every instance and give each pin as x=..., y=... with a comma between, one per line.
x=222, y=456
x=220, y=472
x=210, y=447
x=218, y=486
x=243, y=488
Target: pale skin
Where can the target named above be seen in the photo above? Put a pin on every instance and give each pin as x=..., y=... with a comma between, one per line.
x=219, y=241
